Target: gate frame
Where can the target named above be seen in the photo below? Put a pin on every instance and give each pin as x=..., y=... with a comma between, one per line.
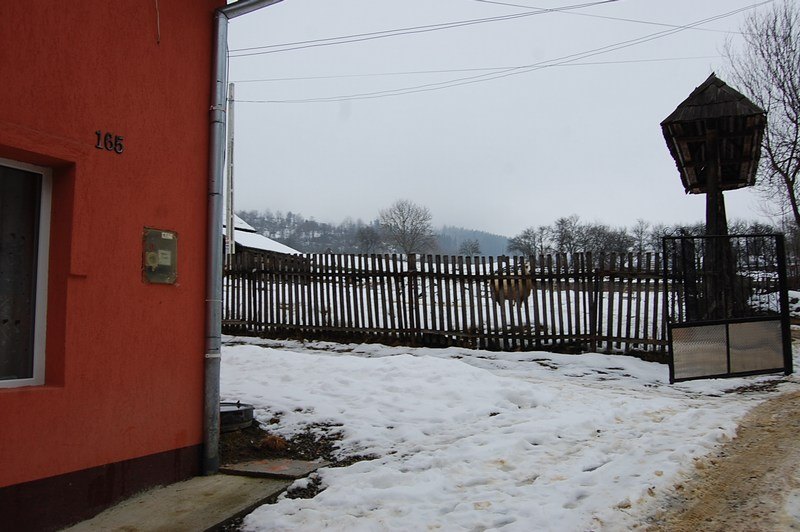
x=782, y=317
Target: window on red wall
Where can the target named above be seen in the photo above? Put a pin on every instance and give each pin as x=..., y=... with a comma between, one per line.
x=24, y=242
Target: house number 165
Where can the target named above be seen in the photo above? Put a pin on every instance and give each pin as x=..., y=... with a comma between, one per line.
x=109, y=142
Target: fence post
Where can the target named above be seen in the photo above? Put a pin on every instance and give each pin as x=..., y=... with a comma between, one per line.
x=669, y=283
x=786, y=333
x=596, y=303
x=413, y=301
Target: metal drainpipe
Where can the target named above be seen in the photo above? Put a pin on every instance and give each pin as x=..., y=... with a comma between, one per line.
x=214, y=265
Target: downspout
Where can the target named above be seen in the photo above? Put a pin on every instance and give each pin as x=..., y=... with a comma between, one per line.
x=214, y=257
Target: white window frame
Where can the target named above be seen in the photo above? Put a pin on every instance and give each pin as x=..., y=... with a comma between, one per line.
x=43, y=262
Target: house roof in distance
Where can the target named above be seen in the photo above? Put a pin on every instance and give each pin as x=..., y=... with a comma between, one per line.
x=240, y=224
x=245, y=235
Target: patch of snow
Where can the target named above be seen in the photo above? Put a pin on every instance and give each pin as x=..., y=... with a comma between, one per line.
x=792, y=503
x=299, y=484
x=470, y=439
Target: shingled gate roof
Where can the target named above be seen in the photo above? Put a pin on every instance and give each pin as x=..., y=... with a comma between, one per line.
x=739, y=125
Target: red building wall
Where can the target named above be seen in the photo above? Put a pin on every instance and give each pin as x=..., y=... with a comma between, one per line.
x=124, y=364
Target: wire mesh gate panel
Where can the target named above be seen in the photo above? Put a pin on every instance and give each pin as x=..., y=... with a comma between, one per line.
x=727, y=306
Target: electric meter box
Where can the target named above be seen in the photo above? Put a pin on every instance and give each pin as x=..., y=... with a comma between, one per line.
x=159, y=256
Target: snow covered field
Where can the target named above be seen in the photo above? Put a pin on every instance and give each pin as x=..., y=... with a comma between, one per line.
x=476, y=440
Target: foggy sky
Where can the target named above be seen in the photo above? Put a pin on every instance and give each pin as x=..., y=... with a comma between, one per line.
x=498, y=155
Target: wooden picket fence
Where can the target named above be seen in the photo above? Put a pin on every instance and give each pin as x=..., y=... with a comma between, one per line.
x=611, y=303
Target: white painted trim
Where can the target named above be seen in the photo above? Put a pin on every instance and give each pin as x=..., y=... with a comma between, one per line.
x=42, y=270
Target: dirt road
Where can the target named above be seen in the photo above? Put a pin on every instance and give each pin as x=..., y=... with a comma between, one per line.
x=751, y=484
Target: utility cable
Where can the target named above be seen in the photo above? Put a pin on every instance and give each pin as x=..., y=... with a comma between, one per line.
x=570, y=58
x=360, y=37
x=476, y=69
x=636, y=21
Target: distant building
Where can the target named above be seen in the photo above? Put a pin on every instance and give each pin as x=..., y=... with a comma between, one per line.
x=248, y=239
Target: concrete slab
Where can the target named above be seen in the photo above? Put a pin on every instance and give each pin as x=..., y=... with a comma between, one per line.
x=274, y=468
x=197, y=504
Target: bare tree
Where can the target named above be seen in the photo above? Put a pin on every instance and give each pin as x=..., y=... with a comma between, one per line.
x=531, y=241
x=600, y=237
x=407, y=227
x=567, y=234
x=767, y=69
x=544, y=234
x=470, y=247
x=525, y=243
x=641, y=233
x=655, y=236
x=369, y=239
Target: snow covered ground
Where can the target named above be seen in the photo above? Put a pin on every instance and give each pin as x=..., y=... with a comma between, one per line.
x=479, y=440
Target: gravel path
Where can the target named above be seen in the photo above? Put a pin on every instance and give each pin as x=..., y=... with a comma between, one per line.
x=751, y=484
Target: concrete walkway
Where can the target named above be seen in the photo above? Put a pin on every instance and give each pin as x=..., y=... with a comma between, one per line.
x=197, y=504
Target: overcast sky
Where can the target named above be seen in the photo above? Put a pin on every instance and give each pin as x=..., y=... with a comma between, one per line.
x=499, y=155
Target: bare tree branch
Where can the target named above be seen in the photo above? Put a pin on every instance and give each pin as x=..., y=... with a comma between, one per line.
x=767, y=69
x=407, y=227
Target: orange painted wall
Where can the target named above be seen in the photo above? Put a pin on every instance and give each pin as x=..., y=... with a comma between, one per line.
x=124, y=358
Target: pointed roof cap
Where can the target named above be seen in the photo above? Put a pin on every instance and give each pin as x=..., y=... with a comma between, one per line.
x=713, y=99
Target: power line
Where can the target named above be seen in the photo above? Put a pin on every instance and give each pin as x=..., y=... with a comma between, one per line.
x=637, y=21
x=571, y=58
x=360, y=37
x=655, y=60
x=376, y=74
x=476, y=69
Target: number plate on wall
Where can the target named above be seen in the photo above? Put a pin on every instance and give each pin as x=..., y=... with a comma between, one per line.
x=160, y=256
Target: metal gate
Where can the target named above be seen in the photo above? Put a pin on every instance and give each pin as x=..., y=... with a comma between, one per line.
x=727, y=306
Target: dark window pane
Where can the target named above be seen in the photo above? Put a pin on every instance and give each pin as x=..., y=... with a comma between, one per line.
x=19, y=215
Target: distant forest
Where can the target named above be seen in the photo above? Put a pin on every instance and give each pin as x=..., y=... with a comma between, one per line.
x=349, y=236
x=566, y=234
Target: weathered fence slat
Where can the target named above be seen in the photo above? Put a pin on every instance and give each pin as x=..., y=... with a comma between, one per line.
x=538, y=325
x=620, y=290
x=559, y=295
x=551, y=288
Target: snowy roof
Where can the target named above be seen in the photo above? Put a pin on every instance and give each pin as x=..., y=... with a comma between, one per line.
x=245, y=235
x=256, y=241
x=238, y=223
